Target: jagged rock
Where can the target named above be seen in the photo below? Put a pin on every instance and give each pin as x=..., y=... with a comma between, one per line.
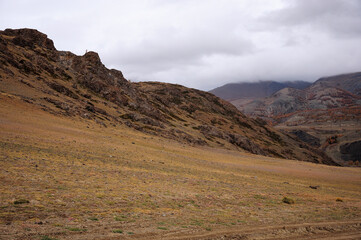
x=62, y=89
x=29, y=37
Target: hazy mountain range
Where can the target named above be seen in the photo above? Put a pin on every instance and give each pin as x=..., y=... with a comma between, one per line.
x=253, y=90
x=328, y=108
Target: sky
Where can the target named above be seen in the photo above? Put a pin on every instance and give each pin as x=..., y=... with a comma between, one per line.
x=202, y=44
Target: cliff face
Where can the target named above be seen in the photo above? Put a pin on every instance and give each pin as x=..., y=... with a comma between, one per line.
x=82, y=87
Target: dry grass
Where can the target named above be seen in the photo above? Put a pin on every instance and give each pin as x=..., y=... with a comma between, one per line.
x=84, y=181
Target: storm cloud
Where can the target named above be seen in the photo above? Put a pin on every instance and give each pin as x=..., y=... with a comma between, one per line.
x=205, y=43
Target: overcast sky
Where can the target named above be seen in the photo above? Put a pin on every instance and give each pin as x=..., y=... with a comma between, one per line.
x=202, y=43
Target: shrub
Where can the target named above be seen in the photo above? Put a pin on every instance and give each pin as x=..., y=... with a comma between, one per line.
x=21, y=201
x=77, y=229
x=48, y=238
x=121, y=218
x=288, y=200
x=117, y=231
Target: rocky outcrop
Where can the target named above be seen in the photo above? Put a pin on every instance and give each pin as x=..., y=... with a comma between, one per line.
x=29, y=38
x=351, y=151
x=307, y=138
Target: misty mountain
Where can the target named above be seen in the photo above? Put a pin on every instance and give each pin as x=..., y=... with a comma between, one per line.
x=350, y=82
x=253, y=90
x=328, y=93
x=329, y=110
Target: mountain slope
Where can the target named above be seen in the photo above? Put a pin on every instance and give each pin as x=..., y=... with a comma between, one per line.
x=350, y=82
x=65, y=84
x=253, y=90
x=70, y=178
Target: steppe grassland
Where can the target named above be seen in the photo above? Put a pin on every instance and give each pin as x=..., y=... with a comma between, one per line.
x=80, y=176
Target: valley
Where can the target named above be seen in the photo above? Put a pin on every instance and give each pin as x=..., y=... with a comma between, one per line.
x=87, y=154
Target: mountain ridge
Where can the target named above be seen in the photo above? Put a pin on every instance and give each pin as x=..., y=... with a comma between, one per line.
x=252, y=90
x=65, y=84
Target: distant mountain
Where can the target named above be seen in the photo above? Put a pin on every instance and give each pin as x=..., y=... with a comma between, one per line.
x=331, y=93
x=330, y=109
x=350, y=82
x=254, y=90
x=64, y=84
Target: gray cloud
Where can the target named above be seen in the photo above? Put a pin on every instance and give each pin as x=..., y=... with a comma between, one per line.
x=205, y=43
x=341, y=18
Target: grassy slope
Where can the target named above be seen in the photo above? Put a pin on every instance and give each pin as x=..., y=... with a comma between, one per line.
x=84, y=181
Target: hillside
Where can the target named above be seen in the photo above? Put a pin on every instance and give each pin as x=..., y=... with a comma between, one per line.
x=253, y=90
x=69, y=178
x=87, y=155
x=330, y=107
x=63, y=83
x=350, y=82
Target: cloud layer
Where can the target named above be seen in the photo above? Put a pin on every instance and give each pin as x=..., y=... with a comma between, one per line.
x=205, y=43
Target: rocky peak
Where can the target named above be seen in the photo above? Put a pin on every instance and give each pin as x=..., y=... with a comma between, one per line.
x=92, y=58
x=26, y=37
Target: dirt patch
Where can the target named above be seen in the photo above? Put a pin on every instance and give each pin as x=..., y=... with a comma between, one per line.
x=328, y=230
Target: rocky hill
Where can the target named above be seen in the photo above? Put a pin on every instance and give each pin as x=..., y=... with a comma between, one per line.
x=350, y=82
x=74, y=86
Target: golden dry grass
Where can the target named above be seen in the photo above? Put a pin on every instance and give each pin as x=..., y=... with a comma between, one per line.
x=84, y=181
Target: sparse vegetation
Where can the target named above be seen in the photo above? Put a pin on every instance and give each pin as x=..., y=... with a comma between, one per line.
x=188, y=182
x=259, y=196
x=244, y=124
x=75, y=229
x=288, y=200
x=162, y=228
x=120, y=218
x=274, y=136
x=48, y=238
x=21, y=201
